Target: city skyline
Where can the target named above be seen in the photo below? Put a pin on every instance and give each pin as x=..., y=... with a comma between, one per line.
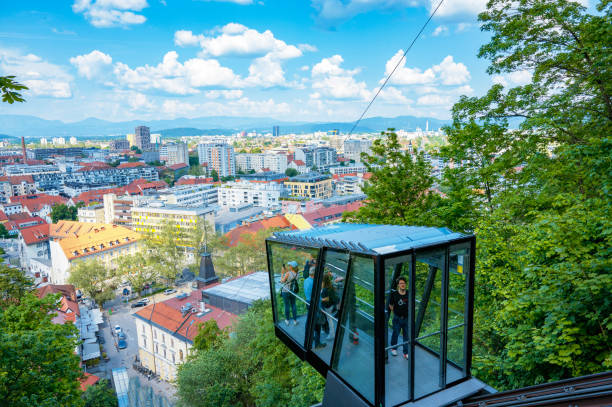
x=318, y=60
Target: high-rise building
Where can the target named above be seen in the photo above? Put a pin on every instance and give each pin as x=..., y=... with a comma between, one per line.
x=275, y=131
x=142, y=137
x=174, y=153
x=353, y=149
x=219, y=157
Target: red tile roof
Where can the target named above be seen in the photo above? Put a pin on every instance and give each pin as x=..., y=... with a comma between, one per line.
x=34, y=203
x=179, y=166
x=3, y=217
x=193, y=181
x=278, y=221
x=18, y=179
x=66, y=290
x=19, y=216
x=367, y=175
x=330, y=214
x=168, y=315
x=137, y=187
x=28, y=222
x=88, y=380
x=97, y=195
x=131, y=165
x=35, y=234
x=299, y=162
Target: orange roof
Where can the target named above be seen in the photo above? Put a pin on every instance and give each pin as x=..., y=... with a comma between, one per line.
x=278, y=221
x=66, y=290
x=35, y=234
x=131, y=165
x=178, y=166
x=3, y=217
x=18, y=179
x=193, y=181
x=139, y=185
x=299, y=162
x=34, y=203
x=168, y=315
x=88, y=380
x=330, y=214
x=97, y=195
x=83, y=239
x=28, y=222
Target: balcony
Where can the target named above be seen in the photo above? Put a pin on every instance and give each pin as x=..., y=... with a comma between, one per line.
x=361, y=266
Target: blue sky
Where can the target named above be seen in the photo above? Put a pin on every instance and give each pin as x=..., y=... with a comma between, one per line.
x=293, y=60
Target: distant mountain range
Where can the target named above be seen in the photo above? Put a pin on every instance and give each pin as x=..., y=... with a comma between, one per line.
x=34, y=127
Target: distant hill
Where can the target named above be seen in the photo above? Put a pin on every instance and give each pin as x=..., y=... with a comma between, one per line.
x=35, y=127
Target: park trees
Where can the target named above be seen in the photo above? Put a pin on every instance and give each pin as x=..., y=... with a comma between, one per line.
x=63, y=212
x=250, y=367
x=38, y=366
x=94, y=279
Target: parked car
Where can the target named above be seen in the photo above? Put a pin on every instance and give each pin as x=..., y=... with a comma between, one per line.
x=101, y=339
x=121, y=335
x=169, y=291
x=122, y=344
x=145, y=300
x=117, y=329
x=138, y=304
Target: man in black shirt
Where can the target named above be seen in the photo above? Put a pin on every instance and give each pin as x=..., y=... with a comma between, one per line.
x=398, y=304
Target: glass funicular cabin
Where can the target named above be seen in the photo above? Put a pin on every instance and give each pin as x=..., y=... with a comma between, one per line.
x=357, y=267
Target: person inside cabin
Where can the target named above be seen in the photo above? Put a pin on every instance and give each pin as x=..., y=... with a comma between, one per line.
x=398, y=304
x=289, y=281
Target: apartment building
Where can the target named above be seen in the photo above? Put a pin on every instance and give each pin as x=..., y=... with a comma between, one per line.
x=142, y=137
x=312, y=185
x=219, y=157
x=246, y=162
x=91, y=214
x=77, y=241
x=152, y=217
x=167, y=329
x=16, y=185
x=275, y=162
x=174, y=153
x=238, y=193
x=354, y=147
x=118, y=145
x=198, y=195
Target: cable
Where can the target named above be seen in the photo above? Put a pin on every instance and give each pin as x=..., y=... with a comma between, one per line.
x=396, y=66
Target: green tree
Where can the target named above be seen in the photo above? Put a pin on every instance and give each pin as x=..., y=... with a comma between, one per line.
x=63, y=212
x=11, y=89
x=400, y=190
x=215, y=175
x=136, y=150
x=4, y=234
x=13, y=284
x=248, y=255
x=138, y=269
x=291, y=172
x=250, y=367
x=38, y=366
x=100, y=395
x=209, y=336
x=94, y=279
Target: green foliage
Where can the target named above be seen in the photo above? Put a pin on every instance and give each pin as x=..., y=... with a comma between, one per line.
x=246, y=256
x=399, y=191
x=63, y=212
x=133, y=159
x=94, y=279
x=194, y=160
x=209, y=336
x=291, y=172
x=155, y=163
x=138, y=269
x=196, y=170
x=136, y=150
x=215, y=175
x=100, y=395
x=38, y=366
x=249, y=368
x=10, y=89
x=4, y=234
x=13, y=284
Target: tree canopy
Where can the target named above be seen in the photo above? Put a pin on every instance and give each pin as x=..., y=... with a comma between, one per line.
x=94, y=279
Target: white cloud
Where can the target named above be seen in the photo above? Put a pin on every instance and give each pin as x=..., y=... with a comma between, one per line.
x=517, y=78
x=407, y=76
x=332, y=81
x=393, y=95
x=225, y=94
x=430, y=100
x=458, y=7
x=91, y=65
x=242, y=106
x=461, y=27
x=440, y=30
x=448, y=72
x=43, y=78
x=171, y=76
x=184, y=38
x=110, y=13
x=451, y=72
x=240, y=2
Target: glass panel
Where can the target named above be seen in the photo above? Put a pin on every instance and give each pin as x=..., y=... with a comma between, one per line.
x=289, y=264
x=355, y=352
x=397, y=340
x=428, y=282
x=335, y=265
x=457, y=284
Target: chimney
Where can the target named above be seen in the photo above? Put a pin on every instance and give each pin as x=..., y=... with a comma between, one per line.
x=23, y=150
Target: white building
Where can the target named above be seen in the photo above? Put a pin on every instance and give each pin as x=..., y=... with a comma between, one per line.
x=197, y=195
x=275, y=162
x=73, y=140
x=219, y=157
x=266, y=195
x=353, y=149
x=299, y=166
x=59, y=140
x=175, y=153
x=246, y=162
x=349, y=169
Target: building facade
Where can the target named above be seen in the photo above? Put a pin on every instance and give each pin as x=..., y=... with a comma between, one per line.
x=266, y=195
x=120, y=144
x=219, y=157
x=198, y=195
x=152, y=217
x=312, y=185
x=175, y=153
x=142, y=138
x=91, y=214
x=353, y=149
